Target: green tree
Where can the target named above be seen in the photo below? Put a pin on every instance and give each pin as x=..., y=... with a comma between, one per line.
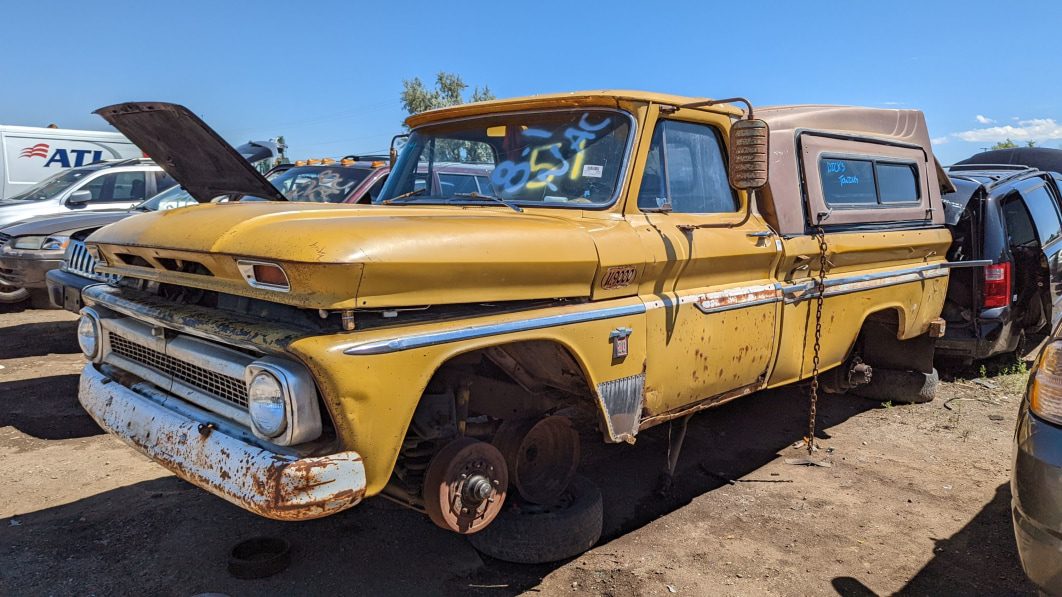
x=1008, y=144
x=448, y=91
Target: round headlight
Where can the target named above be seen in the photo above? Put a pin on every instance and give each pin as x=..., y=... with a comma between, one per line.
x=88, y=335
x=266, y=405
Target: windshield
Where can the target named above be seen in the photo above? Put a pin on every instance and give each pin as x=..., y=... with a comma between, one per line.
x=52, y=187
x=556, y=158
x=171, y=198
x=319, y=184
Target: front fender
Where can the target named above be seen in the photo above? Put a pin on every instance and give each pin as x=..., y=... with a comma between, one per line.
x=372, y=396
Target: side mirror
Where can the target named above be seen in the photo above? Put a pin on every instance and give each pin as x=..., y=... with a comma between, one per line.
x=749, y=154
x=79, y=198
x=397, y=143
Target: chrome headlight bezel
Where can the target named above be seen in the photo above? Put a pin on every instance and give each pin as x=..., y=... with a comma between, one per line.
x=266, y=419
x=90, y=317
x=302, y=413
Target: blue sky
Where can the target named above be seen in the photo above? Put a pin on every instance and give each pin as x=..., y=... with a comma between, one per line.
x=328, y=75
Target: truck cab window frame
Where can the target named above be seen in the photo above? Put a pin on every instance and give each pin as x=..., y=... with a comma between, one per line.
x=686, y=171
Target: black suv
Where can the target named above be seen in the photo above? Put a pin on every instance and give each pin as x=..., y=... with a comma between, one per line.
x=1008, y=214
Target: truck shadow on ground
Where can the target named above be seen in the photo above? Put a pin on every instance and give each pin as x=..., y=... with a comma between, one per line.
x=39, y=339
x=165, y=536
x=45, y=408
x=959, y=566
x=14, y=307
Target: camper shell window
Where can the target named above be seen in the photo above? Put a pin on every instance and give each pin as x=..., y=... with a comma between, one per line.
x=858, y=181
x=848, y=181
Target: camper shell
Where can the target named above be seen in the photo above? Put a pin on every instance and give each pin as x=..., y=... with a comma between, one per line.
x=794, y=201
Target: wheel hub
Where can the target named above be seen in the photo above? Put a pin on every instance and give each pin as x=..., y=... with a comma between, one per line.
x=465, y=485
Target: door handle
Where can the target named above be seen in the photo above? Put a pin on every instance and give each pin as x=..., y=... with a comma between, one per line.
x=760, y=234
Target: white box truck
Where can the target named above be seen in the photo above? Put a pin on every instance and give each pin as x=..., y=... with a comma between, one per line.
x=28, y=155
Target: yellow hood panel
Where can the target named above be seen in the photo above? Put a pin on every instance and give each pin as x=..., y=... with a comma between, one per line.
x=405, y=255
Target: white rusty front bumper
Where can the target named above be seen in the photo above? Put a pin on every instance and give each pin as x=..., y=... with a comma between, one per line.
x=274, y=485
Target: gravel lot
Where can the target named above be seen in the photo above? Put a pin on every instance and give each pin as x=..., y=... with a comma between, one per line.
x=916, y=502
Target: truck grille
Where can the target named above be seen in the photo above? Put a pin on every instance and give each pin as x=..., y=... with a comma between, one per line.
x=229, y=389
x=78, y=261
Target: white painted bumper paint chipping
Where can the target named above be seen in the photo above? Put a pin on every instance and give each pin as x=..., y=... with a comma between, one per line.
x=278, y=486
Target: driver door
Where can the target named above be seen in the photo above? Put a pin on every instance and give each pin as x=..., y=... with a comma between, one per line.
x=713, y=303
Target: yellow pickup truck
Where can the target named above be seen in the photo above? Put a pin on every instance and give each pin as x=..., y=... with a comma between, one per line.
x=608, y=261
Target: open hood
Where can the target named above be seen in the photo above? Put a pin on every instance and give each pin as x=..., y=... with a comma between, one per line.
x=188, y=150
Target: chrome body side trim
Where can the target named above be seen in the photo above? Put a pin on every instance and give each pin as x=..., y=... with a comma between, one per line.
x=492, y=329
x=794, y=293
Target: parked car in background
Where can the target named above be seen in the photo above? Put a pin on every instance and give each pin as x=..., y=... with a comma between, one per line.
x=29, y=155
x=1009, y=216
x=66, y=273
x=1043, y=158
x=352, y=179
x=265, y=155
x=118, y=184
x=29, y=250
x=1036, y=477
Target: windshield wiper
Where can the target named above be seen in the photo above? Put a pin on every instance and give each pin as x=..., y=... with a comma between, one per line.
x=412, y=193
x=475, y=195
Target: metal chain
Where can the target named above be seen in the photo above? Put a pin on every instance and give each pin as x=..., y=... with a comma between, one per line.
x=820, y=291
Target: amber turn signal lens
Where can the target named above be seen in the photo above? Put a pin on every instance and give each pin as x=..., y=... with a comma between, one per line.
x=1045, y=395
x=270, y=274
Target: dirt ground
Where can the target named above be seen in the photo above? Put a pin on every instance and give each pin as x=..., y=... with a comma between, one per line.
x=916, y=502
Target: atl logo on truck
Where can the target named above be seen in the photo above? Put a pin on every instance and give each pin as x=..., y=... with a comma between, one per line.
x=62, y=156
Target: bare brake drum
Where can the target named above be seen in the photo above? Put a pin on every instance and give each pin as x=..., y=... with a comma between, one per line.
x=465, y=485
x=542, y=455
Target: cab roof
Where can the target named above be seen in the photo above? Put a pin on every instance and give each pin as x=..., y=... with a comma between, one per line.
x=562, y=100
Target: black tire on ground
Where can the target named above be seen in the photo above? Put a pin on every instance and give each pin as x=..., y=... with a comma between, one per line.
x=532, y=534
x=10, y=294
x=895, y=385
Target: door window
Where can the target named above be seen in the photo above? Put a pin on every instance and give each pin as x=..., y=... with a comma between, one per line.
x=1020, y=228
x=1044, y=213
x=163, y=181
x=686, y=171
x=374, y=190
x=452, y=184
x=96, y=186
x=128, y=186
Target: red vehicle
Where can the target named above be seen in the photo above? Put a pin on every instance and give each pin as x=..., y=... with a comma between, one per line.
x=353, y=179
